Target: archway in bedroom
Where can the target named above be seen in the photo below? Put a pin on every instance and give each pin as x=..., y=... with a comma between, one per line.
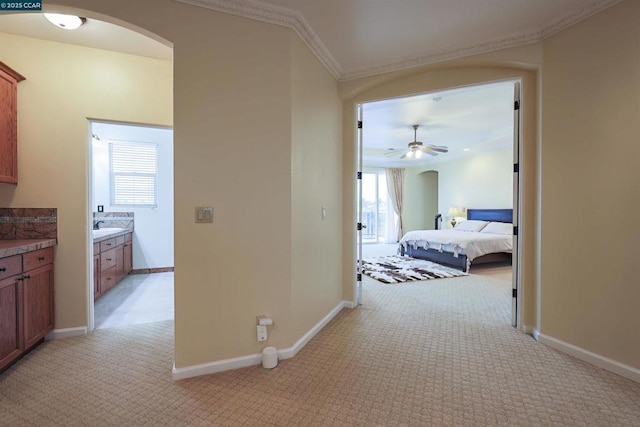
x=437, y=170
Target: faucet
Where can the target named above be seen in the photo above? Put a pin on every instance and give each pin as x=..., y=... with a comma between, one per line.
x=96, y=226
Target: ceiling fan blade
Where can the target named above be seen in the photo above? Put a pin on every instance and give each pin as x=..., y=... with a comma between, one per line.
x=438, y=148
x=393, y=153
x=404, y=156
x=431, y=153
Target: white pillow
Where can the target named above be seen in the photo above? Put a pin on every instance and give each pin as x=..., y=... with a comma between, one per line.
x=470, y=225
x=498, y=228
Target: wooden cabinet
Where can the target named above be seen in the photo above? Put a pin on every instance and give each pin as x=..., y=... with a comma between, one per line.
x=38, y=304
x=26, y=302
x=9, y=80
x=128, y=254
x=97, y=292
x=114, y=262
x=10, y=320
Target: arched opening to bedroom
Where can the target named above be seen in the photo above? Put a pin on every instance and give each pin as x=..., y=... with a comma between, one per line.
x=461, y=177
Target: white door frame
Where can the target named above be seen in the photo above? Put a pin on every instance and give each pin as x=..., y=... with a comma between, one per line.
x=516, y=308
x=359, y=224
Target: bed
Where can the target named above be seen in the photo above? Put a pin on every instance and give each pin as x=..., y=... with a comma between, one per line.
x=486, y=236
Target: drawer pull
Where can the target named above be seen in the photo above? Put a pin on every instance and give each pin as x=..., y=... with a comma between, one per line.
x=26, y=276
x=108, y=259
x=108, y=278
x=3, y=269
x=108, y=244
x=40, y=258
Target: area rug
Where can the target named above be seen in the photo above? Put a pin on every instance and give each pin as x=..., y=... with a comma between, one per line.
x=400, y=269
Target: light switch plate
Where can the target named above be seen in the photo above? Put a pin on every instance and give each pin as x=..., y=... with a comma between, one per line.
x=204, y=214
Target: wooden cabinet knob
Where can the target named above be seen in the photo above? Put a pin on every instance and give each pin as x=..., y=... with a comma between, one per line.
x=40, y=258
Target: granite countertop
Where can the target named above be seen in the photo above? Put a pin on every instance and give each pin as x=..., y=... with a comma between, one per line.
x=109, y=233
x=15, y=247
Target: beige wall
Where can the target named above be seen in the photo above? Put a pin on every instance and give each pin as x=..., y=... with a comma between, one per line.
x=316, y=181
x=64, y=86
x=235, y=84
x=474, y=70
x=590, y=184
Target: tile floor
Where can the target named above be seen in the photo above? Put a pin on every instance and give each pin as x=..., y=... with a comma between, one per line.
x=138, y=298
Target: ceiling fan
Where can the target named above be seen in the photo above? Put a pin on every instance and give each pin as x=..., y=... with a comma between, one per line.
x=417, y=148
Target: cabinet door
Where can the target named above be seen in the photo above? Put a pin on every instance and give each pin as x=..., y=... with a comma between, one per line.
x=119, y=263
x=38, y=304
x=10, y=320
x=9, y=79
x=96, y=277
x=128, y=258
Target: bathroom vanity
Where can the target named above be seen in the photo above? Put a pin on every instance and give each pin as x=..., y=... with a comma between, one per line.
x=112, y=258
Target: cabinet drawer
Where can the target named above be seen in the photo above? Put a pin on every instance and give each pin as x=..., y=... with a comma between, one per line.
x=10, y=266
x=37, y=259
x=96, y=248
x=128, y=237
x=108, y=279
x=107, y=259
x=107, y=244
x=119, y=240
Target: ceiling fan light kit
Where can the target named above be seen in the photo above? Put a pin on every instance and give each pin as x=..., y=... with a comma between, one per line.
x=417, y=148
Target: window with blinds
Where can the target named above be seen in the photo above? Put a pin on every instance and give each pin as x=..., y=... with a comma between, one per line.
x=134, y=174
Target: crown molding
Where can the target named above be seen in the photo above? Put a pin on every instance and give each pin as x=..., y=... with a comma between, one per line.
x=275, y=15
x=272, y=14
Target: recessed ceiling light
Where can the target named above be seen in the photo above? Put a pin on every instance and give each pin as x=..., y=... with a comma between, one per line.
x=66, y=22
x=466, y=149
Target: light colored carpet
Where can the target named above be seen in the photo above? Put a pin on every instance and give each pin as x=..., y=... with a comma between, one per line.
x=437, y=353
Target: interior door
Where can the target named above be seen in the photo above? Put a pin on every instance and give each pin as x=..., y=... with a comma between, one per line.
x=516, y=203
x=359, y=225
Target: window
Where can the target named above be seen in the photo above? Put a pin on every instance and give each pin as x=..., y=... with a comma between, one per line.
x=134, y=174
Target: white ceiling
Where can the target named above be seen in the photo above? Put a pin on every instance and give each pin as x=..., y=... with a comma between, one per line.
x=355, y=38
x=468, y=121
x=94, y=33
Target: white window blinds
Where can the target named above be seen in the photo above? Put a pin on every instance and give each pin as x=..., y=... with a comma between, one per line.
x=134, y=174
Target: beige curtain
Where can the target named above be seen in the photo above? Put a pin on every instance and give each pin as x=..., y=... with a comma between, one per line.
x=395, y=181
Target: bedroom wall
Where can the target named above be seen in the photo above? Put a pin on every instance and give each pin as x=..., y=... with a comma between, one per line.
x=590, y=181
x=419, y=199
x=484, y=180
x=481, y=181
x=316, y=181
x=66, y=84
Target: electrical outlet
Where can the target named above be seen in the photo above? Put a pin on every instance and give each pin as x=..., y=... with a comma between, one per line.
x=262, y=332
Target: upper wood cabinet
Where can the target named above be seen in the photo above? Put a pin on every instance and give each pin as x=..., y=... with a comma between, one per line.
x=9, y=80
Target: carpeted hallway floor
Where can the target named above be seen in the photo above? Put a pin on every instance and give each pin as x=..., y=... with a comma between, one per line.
x=436, y=353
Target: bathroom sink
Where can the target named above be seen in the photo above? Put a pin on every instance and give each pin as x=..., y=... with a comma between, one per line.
x=106, y=231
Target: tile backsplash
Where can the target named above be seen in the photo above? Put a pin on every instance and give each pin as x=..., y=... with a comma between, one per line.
x=28, y=223
x=114, y=219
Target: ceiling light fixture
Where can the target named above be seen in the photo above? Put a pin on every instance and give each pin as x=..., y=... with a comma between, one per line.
x=417, y=148
x=466, y=149
x=66, y=22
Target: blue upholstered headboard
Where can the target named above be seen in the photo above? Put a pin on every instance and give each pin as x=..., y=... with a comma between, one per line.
x=497, y=215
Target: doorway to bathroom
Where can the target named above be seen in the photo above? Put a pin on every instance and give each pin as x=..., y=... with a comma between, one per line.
x=131, y=213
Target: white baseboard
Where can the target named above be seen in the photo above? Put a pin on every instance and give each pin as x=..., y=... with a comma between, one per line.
x=288, y=353
x=255, y=359
x=66, y=333
x=595, y=359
